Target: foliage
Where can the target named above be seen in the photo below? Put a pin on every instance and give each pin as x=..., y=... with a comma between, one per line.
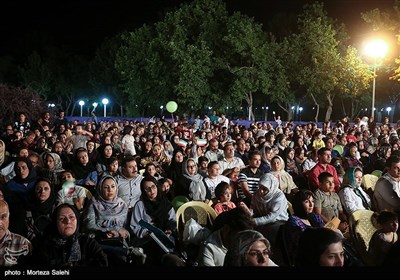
x=103, y=76
x=14, y=100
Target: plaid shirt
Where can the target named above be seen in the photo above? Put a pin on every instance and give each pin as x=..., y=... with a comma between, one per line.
x=13, y=248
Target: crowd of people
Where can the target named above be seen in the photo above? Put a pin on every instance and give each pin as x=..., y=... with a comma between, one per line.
x=76, y=194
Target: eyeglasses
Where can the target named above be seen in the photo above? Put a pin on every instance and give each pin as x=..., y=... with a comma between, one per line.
x=254, y=253
x=149, y=189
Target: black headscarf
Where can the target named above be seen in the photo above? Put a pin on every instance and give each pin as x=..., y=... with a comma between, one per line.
x=39, y=208
x=71, y=243
x=32, y=171
x=157, y=209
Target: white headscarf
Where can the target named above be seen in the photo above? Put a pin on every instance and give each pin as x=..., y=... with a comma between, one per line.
x=270, y=182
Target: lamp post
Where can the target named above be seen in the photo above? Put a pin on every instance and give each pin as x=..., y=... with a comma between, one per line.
x=301, y=110
x=388, y=109
x=105, y=102
x=81, y=103
x=162, y=109
x=376, y=49
x=51, y=106
x=94, y=104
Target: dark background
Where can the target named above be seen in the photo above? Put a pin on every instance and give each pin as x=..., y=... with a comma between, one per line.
x=83, y=24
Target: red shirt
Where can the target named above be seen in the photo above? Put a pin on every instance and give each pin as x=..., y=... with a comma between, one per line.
x=313, y=174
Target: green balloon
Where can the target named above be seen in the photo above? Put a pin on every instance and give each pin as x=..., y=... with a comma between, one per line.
x=172, y=106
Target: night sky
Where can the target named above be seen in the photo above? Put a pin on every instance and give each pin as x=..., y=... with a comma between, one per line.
x=83, y=24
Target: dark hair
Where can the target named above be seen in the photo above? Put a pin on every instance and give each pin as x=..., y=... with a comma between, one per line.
x=297, y=203
x=127, y=159
x=312, y=244
x=148, y=179
x=392, y=160
x=386, y=216
x=202, y=159
x=321, y=151
x=324, y=176
x=221, y=188
x=237, y=219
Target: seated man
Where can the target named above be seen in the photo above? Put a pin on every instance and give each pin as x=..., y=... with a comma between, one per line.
x=13, y=247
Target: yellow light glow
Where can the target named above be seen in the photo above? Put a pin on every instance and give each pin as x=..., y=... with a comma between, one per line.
x=376, y=48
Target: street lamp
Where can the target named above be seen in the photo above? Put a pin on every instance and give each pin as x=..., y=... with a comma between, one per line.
x=51, y=106
x=81, y=103
x=388, y=109
x=301, y=110
x=105, y=102
x=162, y=109
x=94, y=104
x=376, y=49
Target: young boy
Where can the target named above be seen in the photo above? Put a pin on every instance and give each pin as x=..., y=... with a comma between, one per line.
x=71, y=193
x=327, y=202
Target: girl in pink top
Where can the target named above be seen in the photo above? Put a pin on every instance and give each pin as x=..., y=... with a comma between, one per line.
x=223, y=192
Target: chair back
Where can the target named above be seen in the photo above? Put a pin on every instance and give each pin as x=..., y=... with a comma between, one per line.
x=361, y=230
x=369, y=181
x=377, y=173
x=201, y=212
x=178, y=201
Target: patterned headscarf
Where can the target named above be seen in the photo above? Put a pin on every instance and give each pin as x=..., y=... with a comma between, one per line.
x=237, y=254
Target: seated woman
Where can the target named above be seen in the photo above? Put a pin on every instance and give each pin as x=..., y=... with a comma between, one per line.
x=320, y=247
x=286, y=183
x=191, y=183
x=105, y=152
x=384, y=238
x=85, y=172
x=250, y=249
x=106, y=216
x=213, y=250
x=153, y=207
x=269, y=206
x=21, y=188
x=62, y=245
x=352, y=195
x=303, y=218
x=52, y=168
x=41, y=207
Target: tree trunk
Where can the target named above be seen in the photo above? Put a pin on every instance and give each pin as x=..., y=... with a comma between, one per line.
x=316, y=107
x=287, y=108
x=329, y=109
x=249, y=100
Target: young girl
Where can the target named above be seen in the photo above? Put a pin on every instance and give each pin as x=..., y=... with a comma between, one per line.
x=223, y=192
x=383, y=238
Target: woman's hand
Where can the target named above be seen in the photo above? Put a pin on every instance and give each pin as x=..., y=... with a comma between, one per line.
x=112, y=233
x=123, y=233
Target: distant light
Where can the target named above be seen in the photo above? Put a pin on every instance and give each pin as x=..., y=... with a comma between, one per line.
x=388, y=109
x=104, y=101
x=95, y=104
x=266, y=108
x=301, y=109
x=292, y=107
x=161, y=107
x=81, y=102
